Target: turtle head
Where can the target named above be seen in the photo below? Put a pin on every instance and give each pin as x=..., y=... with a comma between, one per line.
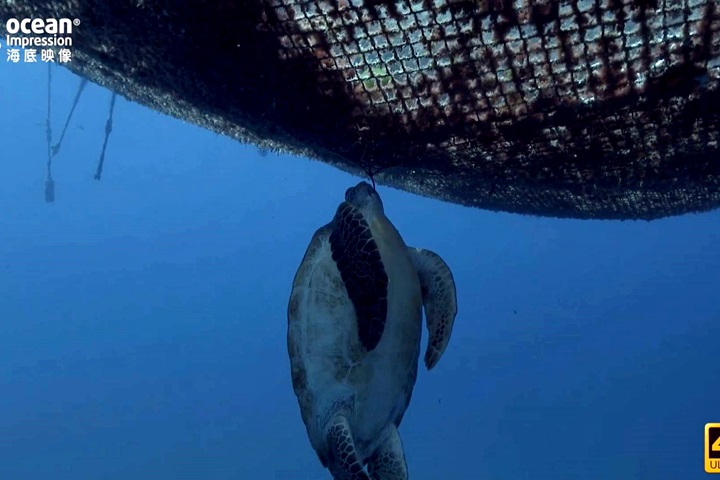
x=364, y=197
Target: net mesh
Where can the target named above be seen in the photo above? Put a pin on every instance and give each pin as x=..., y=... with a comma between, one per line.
x=582, y=108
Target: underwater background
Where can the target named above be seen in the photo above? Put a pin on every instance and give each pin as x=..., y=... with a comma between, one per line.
x=143, y=317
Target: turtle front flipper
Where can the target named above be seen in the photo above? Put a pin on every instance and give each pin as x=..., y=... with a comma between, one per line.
x=361, y=268
x=439, y=301
x=388, y=461
x=343, y=462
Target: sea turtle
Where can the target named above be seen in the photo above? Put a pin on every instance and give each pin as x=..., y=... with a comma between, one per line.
x=354, y=328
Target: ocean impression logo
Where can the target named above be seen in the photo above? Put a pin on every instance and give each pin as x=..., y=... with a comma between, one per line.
x=36, y=32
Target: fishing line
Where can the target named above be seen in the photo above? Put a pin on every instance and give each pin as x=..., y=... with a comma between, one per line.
x=364, y=166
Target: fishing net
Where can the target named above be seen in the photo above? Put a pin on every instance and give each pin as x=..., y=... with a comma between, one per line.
x=578, y=108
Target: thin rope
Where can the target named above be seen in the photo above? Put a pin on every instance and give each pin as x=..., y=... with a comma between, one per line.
x=108, y=129
x=81, y=87
x=49, y=182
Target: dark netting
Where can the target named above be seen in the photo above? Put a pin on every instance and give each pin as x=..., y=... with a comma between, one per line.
x=589, y=108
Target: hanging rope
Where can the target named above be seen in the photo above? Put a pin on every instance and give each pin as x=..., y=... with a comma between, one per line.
x=81, y=87
x=108, y=129
x=53, y=150
x=49, y=182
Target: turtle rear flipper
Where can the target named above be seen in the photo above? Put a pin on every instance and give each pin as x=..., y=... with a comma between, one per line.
x=439, y=301
x=388, y=461
x=343, y=462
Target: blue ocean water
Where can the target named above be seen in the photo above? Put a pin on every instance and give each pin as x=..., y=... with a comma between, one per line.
x=143, y=317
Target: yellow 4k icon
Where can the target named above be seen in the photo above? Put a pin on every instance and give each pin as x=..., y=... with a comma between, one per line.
x=712, y=447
